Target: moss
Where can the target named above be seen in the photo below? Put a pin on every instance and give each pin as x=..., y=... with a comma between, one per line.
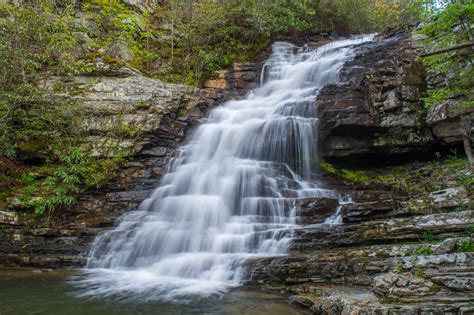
x=418, y=272
x=435, y=97
x=33, y=149
x=113, y=61
x=354, y=175
x=182, y=112
x=350, y=175
x=328, y=168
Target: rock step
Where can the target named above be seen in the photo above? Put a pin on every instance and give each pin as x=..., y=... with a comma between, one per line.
x=337, y=302
x=437, y=201
x=344, y=269
x=449, y=245
x=42, y=261
x=438, y=225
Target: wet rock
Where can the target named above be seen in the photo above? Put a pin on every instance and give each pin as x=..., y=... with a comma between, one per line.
x=375, y=110
x=236, y=81
x=455, y=282
x=447, y=246
x=402, y=229
x=157, y=151
x=364, y=211
x=120, y=109
x=315, y=210
x=334, y=305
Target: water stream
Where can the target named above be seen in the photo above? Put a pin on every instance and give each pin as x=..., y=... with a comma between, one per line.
x=229, y=195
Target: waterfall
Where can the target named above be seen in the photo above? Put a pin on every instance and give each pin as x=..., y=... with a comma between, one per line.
x=229, y=195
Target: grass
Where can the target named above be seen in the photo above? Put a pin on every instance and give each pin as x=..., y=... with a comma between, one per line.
x=412, y=178
x=423, y=250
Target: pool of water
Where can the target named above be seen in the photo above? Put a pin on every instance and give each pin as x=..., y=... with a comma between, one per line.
x=40, y=292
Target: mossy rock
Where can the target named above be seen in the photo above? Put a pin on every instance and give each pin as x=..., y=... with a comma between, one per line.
x=37, y=149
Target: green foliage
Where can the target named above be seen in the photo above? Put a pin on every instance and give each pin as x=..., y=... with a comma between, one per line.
x=427, y=237
x=444, y=29
x=357, y=16
x=207, y=37
x=435, y=97
x=465, y=246
x=53, y=186
x=350, y=175
x=423, y=250
x=465, y=206
x=42, y=130
x=34, y=45
x=470, y=230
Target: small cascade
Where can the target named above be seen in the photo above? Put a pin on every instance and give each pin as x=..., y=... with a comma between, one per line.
x=230, y=193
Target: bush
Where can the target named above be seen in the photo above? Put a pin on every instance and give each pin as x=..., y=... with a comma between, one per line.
x=34, y=45
x=41, y=130
x=444, y=29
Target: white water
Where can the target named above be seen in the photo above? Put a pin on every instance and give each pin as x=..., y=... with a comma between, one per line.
x=229, y=194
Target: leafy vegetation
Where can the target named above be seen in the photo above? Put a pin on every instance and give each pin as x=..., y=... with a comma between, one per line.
x=444, y=29
x=423, y=250
x=42, y=131
x=466, y=245
x=424, y=177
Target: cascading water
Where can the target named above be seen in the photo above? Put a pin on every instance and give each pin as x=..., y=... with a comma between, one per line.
x=229, y=194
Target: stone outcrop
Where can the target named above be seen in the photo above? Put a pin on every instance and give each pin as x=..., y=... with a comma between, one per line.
x=126, y=114
x=417, y=262
x=396, y=251
x=451, y=120
x=376, y=110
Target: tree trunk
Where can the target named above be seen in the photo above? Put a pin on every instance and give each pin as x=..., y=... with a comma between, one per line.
x=440, y=51
x=468, y=148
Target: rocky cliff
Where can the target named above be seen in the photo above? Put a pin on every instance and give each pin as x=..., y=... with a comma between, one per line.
x=156, y=118
x=405, y=242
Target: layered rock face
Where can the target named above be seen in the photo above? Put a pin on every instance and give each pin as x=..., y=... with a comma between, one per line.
x=377, y=110
x=396, y=251
x=125, y=112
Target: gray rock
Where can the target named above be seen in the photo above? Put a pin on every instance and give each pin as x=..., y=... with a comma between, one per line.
x=402, y=285
x=447, y=198
x=142, y=5
x=9, y=217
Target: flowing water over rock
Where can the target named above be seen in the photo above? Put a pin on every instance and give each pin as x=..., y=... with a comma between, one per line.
x=229, y=195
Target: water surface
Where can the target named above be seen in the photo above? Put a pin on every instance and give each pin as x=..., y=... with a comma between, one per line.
x=33, y=292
